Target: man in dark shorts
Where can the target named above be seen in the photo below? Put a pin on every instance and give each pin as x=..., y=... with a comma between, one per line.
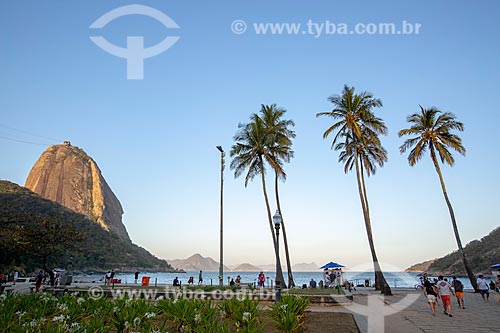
x=483, y=287
x=459, y=291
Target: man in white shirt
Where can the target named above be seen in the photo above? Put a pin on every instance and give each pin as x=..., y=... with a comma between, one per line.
x=445, y=290
x=483, y=287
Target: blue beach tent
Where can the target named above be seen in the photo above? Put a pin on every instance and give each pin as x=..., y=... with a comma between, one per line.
x=331, y=265
x=497, y=266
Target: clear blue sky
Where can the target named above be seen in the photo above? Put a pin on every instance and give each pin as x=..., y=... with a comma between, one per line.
x=154, y=139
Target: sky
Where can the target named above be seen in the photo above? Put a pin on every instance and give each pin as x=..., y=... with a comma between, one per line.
x=155, y=139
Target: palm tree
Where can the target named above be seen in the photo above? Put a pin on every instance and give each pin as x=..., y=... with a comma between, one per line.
x=357, y=137
x=431, y=129
x=281, y=136
x=250, y=150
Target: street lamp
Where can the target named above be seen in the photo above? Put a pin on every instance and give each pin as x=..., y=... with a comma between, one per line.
x=277, y=219
x=221, y=265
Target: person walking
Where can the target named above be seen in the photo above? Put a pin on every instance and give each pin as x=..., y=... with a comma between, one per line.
x=483, y=287
x=445, y=291
x=431, y=293
x=459, y=291
x=38, y=281
x=497, y=288
x=200, y=278
x=262, y=279
x=136, y=277
x=107, y=278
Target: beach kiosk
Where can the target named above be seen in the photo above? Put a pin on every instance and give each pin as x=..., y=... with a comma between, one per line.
x=335, y=269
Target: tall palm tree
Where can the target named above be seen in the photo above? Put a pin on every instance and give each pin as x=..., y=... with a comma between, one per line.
x=250, y=150
x=357, y=137
x=431, y=129
x=281, y=136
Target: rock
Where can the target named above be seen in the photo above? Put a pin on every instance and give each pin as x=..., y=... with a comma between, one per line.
x=67, y=175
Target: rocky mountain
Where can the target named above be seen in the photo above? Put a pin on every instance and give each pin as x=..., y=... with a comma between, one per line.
x=480, y=254
x=306, y=267
x=67, y=175
x=197, y=262
x=246, y=267
x=98, y=250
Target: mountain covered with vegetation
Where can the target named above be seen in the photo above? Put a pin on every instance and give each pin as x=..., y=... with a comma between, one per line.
x=35, y=231
x=481, y=254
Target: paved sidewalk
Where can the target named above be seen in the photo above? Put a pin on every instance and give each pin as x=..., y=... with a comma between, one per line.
x=477, y=317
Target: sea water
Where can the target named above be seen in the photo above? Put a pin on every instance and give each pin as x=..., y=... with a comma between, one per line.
x=394, y=279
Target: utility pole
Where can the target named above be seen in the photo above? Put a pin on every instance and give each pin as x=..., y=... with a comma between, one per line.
x=221, y=254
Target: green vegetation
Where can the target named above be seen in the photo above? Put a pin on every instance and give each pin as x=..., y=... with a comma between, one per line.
x=481, y=253
x=432, y=129
x=36, y=231
x=289, y=314
x=357, y=138
x=43, y=312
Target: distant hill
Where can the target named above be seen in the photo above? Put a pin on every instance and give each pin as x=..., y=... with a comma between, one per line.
x=197, y=262
x=305, y=267
x=420, y=267
x=246, y=268
x=101, y=250
x=271, y=267
x=480, y=254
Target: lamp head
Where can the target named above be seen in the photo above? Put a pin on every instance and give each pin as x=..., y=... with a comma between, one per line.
x=277, y=219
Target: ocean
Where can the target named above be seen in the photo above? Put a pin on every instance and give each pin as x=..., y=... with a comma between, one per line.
x=394, y=279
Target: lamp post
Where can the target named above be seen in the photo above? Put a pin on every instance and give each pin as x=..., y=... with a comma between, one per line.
x=221, y=259
x=277, y=223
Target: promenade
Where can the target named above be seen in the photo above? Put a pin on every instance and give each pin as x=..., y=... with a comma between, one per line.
x=477, y=317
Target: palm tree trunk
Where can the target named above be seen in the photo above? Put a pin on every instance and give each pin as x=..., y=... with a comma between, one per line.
x=291, y=283
x=470, y=274
x=279, y=273
x=380, y=282
x=364, y=188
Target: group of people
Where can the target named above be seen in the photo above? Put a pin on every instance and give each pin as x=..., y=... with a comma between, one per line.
x=235, y=282
x=484, y=288
x=108, y=278
x=440, y=288
x=177, y=282
x=332, y=278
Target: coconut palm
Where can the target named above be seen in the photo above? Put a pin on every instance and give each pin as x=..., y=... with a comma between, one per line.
x=250, y=150
x=281, y=136
x=431, y=130
x=357, y=138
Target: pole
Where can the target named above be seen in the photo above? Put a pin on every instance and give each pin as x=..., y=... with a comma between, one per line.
x=221, y=254
x=278, y=282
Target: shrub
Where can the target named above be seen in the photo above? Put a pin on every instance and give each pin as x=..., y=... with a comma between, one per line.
x=289, y=314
